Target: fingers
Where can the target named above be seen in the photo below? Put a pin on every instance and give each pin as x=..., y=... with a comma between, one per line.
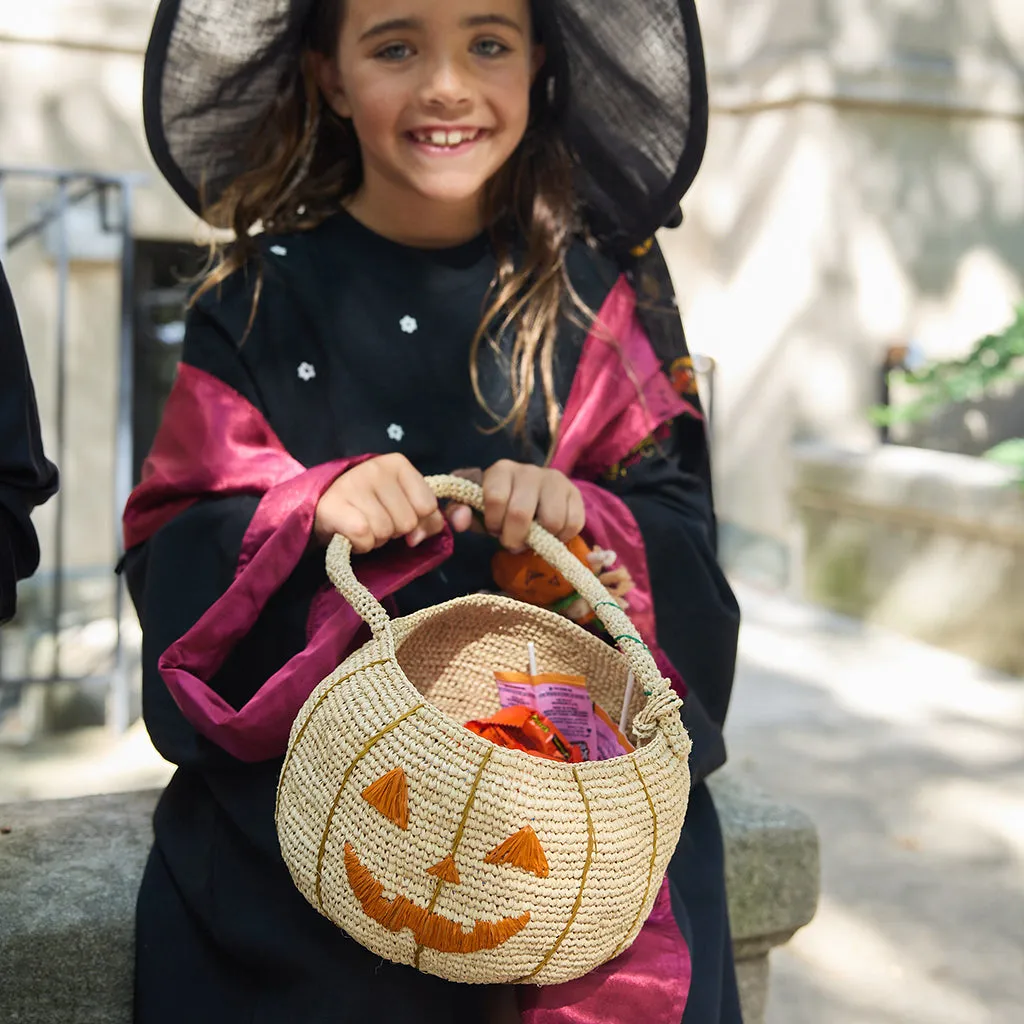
x=402, y=517
x=387, y=497
x=429, y=527
x=553, y=511
x=497, y=486
x=423, y=503
x=560, y=509
x=378, y=501
x=576, y=517
x=511, y=498
x=461, y=518
x=516, y=495
x=410, y=505
x=341, y=517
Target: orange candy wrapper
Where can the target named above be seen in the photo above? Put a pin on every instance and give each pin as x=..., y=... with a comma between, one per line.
x=564, y=701
x=522, y=728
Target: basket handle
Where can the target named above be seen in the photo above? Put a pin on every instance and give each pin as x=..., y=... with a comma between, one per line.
x=662, y=703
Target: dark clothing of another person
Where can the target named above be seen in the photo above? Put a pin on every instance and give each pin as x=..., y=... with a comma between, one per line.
x=27, y=478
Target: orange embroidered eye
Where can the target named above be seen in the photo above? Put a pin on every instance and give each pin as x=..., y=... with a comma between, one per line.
x=523, y=850
x=390, y=795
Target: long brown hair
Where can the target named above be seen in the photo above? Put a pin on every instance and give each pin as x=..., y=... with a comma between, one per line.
x=305, y=162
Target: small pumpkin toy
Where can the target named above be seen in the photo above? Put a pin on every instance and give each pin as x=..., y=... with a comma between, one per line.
x=434, y=847
x=529, y=578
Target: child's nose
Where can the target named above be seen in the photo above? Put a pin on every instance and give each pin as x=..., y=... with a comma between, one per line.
x=446, y=85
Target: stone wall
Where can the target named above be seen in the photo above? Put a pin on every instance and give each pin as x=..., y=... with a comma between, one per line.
x=864, y=185
x=930, y=544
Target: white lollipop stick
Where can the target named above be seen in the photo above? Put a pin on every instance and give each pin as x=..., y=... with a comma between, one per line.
x=532, y=654
x=630, y=683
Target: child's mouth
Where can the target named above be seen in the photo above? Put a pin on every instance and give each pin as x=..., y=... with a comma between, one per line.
x=446, y=141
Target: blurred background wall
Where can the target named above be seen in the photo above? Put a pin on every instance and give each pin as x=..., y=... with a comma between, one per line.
x=863, y=189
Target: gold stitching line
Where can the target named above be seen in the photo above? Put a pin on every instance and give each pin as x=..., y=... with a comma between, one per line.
x=341, y=789
x=591, y=844
x=654, y=860
x=309, y=718
x=455, y=844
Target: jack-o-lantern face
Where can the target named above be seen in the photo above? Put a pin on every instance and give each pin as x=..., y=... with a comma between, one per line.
x=389, y=796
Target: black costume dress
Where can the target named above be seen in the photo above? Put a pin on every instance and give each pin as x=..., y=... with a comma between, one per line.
x=360, y=345
x=27, y=478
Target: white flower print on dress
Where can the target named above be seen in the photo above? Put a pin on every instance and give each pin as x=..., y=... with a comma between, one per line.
x=409, y=324
x=279, y=250
x=306, y=371
x=395, y=432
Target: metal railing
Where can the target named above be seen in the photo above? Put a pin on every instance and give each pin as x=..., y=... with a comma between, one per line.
x=113, y=194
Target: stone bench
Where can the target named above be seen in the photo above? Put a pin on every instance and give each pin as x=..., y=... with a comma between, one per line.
x=929, y=544
x=70, y=869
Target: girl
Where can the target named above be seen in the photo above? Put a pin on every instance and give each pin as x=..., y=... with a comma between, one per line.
x=433, y=203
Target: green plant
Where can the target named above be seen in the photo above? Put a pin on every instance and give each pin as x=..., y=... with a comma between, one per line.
x=1009, y=453
x=996, y=360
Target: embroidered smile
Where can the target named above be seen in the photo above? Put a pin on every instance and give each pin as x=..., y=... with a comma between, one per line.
x=433, y=931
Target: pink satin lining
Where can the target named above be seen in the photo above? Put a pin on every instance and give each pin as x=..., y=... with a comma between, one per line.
x=259, y=730
x=603, y=419
x=648, y=984
x=610, y=525
x=211, y=442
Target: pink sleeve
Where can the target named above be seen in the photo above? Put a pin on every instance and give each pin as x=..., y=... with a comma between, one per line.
x=611, y=526
x=620, y=394
x=276, y=540
x=619, y=397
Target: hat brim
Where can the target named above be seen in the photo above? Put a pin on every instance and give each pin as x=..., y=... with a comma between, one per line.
x=636, y=118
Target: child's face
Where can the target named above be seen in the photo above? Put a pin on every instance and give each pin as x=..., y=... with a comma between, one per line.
x=438, y=91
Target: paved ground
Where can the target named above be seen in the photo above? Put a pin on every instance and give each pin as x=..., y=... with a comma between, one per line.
x=81, y=763
x=910, y=760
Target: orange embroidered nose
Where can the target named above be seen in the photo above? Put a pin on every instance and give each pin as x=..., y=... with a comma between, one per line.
x=446, y=871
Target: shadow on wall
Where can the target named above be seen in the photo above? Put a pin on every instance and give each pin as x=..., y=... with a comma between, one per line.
x=821, y=233
x=75, y=109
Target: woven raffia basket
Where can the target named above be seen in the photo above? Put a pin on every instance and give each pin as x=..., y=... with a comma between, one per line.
x=433, y=847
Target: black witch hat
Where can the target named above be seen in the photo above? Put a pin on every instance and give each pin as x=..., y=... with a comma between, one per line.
x=634, y=110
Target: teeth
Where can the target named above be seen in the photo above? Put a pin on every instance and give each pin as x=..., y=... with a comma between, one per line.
x=447, y=139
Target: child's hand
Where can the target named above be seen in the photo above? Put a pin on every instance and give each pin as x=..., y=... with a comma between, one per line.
x=515, y=495
x=377, y=501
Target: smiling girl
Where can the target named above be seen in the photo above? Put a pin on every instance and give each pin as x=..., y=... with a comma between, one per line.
x=436, y=207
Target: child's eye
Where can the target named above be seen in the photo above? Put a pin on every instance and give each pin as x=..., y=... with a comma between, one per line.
x=394, y=52
x=490, y=48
